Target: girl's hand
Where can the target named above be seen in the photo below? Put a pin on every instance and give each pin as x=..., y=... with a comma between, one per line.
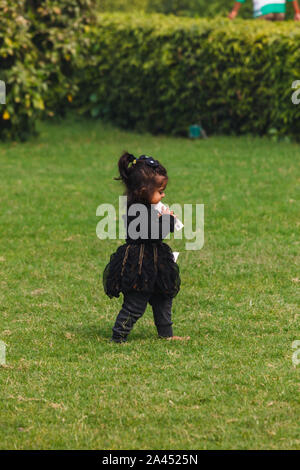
x=167, y=211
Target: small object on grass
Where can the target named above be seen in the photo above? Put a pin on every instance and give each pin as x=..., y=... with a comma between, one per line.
x=196, y=131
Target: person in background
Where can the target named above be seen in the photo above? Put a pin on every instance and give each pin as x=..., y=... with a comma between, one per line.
x=272, y=10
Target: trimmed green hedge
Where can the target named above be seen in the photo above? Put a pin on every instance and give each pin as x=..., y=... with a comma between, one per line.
x=162, y=73
x=146, y=72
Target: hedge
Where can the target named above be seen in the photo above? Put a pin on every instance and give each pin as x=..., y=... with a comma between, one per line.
x=163, y=73
x=146, y=72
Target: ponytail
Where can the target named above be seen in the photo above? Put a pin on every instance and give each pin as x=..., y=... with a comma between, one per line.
x=123, y=165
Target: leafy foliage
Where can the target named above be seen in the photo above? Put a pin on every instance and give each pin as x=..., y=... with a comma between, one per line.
x=56, y=31
x=149, y=72
x=24, y=83
x=39, y=42
x=162, y=73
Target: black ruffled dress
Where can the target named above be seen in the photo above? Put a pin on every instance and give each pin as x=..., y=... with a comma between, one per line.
x=144, y=263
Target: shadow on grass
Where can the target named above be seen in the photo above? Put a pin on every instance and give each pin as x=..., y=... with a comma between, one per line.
x=95, y=332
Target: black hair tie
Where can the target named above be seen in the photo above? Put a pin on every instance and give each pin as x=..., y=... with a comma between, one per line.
x=149, y=161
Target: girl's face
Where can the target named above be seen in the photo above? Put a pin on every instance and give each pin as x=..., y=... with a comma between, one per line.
x=159, y=191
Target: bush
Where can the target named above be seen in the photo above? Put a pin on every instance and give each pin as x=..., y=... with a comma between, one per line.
x=56, y=30
x=39, y=42
x=24, y=84
x=163, y=73
x=148, y=72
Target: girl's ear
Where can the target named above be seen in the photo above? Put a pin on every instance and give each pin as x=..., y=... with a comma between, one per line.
x=144, y=192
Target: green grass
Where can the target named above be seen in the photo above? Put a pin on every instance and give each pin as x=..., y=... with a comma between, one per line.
x=233, y=385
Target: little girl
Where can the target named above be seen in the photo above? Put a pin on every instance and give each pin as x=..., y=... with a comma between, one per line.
x=143, y=269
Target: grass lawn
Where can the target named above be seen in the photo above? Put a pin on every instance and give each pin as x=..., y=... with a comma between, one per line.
x=64, y=385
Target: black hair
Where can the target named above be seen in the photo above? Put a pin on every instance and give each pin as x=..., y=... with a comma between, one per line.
x=139, y=178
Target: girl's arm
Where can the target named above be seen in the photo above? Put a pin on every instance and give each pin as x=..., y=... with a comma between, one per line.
x=235, y=9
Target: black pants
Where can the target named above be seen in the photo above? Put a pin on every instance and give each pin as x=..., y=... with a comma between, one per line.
x=133, y=308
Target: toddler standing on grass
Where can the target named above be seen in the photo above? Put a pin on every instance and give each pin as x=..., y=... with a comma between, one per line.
x=143, y=269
